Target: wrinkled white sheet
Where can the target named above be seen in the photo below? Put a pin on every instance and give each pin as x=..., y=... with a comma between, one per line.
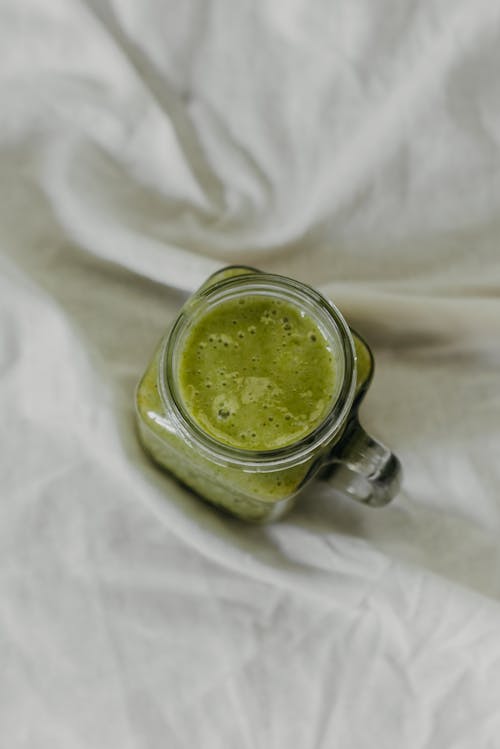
x=353, y=145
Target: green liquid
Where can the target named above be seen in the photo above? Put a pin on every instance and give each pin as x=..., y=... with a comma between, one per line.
x=302, y=379
x=257, y=373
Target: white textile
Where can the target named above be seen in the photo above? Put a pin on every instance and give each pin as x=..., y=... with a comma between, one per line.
x=354, y=145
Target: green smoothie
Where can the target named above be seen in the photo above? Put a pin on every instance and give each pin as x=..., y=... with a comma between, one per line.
x=257, y=373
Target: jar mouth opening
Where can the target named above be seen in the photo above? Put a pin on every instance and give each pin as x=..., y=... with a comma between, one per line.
x=332, y=325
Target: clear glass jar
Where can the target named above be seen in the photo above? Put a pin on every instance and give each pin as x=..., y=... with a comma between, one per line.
x=260, y=485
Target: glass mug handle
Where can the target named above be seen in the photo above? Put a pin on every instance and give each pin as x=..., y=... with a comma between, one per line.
x=363, y=468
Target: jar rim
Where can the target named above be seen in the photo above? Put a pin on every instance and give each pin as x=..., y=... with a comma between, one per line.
x=316, y=305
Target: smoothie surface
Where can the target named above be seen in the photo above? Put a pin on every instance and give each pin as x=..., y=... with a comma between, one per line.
x=256, y=373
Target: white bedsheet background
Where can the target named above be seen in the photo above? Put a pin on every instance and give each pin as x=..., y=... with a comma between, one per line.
x=353, y=145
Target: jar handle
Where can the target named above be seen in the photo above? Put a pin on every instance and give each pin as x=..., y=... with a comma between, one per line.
x=367, y=470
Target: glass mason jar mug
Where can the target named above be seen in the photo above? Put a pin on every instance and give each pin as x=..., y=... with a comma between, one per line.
x=254, y=391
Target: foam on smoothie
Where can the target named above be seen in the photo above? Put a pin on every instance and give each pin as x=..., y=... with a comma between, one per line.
x=257, y=373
